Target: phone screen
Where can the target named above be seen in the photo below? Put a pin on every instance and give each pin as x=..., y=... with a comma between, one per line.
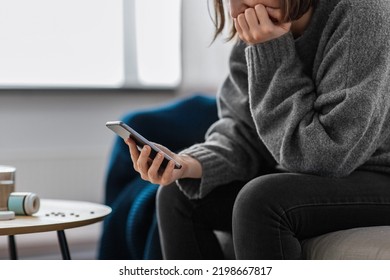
x=125, y=131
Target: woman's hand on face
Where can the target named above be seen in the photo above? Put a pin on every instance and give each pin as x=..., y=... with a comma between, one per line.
x=260, y=24
x=150, y=170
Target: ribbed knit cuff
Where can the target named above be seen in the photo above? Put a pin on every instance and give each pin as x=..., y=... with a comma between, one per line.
x=212, y=170
x=271, y=54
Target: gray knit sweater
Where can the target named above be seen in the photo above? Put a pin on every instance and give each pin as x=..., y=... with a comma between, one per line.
x=319, y=104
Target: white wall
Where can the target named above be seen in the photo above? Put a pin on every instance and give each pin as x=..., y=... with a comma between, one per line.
x=205, y=64
x=58, y=141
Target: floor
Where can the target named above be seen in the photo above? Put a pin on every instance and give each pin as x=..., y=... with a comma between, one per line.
x=83, y=253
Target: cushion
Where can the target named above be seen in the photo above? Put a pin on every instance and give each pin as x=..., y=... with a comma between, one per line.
x=367, y=243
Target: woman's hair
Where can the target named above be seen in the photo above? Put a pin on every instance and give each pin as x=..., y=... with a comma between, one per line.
x=291, y=10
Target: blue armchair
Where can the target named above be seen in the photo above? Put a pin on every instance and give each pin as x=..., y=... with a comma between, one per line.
x=130, y=231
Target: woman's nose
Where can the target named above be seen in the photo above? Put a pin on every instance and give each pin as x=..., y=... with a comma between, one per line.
x=237, y=7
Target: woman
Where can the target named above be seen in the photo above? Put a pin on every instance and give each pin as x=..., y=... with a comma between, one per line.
x=302, y=145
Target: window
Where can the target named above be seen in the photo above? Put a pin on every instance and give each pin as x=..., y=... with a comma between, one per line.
x=90, y=43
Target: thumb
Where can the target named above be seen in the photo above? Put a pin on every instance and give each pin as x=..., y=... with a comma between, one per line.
x=276, y=17
x=274, y=14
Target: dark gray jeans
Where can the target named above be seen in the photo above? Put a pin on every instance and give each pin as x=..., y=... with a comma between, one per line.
x=271, y=215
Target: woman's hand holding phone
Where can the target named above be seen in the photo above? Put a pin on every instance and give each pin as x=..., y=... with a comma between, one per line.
x=151, y=170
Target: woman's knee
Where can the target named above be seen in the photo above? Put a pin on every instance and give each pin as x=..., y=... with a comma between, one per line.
x=268, y=195
x=258, y=216
x=265, y=189
x=166, y=195
x=170, y=201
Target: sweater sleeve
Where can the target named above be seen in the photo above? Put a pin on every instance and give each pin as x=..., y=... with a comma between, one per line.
x=330, y=123
x=232, y=150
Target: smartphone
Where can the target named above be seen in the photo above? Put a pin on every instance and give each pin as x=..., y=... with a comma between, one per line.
x=125, y=131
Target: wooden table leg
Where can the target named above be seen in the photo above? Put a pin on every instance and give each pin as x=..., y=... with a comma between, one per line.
x=63, y=245
x=12, y=247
